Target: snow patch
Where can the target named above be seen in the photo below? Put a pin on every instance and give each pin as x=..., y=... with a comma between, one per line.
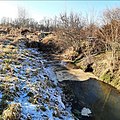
x=85, y=112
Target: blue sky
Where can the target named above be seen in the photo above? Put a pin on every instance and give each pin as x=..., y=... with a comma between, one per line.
x=41, y=9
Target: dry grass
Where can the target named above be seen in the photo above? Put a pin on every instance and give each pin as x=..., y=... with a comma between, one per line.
x=13, y=112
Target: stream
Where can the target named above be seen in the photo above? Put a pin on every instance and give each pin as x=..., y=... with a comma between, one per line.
x=90, y=99
x=101, y=98
x=46, y=90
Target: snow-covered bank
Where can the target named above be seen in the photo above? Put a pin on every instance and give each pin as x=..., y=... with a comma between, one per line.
x=31, y=84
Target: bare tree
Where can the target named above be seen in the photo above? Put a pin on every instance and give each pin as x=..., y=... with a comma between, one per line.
x=6, y=21
x=70, y=27
x=110, y=34
x=23, y=19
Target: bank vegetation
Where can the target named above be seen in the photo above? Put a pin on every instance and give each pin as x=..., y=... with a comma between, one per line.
x=76, y=37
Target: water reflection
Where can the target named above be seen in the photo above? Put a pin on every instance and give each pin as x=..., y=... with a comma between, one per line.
x=101, y=98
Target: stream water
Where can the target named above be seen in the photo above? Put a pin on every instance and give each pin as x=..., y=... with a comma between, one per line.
x=101, y=98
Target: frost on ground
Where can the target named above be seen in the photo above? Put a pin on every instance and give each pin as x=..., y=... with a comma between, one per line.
x=27, y=86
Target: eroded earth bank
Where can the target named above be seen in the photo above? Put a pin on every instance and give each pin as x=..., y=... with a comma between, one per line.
x=39, y=86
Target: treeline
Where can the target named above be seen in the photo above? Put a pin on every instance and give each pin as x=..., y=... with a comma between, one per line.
x=24, y=21
x=83, y=34
x=89, y=37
